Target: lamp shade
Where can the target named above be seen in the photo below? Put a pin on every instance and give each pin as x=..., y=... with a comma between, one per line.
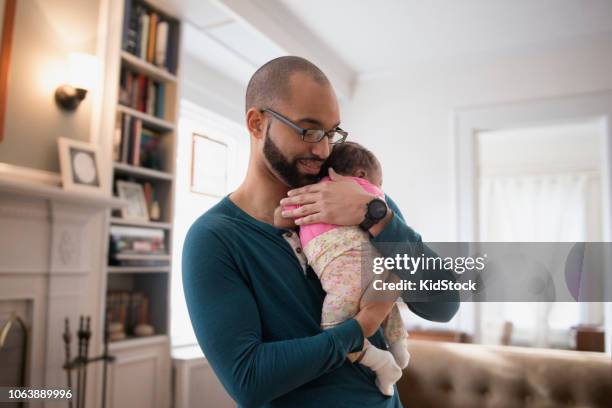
x=83, y=70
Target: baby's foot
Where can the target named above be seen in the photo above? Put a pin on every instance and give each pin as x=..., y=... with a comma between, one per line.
x=399, y=349
x=384, y=365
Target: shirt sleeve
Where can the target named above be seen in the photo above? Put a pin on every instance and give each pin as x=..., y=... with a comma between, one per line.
x=226, y=322
x=441, y=306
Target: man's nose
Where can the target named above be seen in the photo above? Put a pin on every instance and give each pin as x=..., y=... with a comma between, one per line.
x=321, y=149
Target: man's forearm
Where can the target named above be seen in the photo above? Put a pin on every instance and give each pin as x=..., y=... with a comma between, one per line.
x=393, y=238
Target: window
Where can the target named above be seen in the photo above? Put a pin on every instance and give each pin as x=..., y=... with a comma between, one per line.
x=217, y=149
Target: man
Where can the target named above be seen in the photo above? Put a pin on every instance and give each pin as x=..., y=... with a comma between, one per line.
x=254, y=305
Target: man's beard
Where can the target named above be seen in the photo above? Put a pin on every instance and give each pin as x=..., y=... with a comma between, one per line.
x=287, y=170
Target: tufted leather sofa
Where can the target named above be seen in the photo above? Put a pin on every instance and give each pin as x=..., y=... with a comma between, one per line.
x=466, y=375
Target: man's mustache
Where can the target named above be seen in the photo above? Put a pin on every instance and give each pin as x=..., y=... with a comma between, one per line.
x=315, y=159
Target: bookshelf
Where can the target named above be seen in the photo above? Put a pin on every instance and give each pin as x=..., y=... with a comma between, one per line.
x=139, y=124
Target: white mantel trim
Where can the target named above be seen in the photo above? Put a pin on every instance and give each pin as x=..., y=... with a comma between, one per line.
x=54, y=193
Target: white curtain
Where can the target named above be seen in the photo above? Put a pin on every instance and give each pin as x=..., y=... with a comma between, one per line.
x=532, y=208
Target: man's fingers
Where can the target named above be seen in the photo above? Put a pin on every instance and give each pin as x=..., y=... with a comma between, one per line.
x=309, y=219
x=305, y=198
x=301, y=211
x=311, y=188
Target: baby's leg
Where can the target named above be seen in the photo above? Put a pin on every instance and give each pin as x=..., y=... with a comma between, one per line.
x=342, y=303
x=396, y=336
x=340, y=280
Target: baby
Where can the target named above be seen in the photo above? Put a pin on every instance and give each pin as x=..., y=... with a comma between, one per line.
x=335, y=254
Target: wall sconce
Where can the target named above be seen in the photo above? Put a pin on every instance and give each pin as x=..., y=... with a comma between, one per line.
x=82, y=76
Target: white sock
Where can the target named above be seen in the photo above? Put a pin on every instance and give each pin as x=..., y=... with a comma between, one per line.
x=399, y=349
x=384, y=365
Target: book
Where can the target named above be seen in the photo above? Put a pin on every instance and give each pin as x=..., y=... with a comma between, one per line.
x=172, y=48
x=161, y=44
x=152, y=34
x=135, y=143
x=160, y=91
x=151, y=96
x=117, y=139
x=126, y=126
x=136, y=240
x=128, y=29
x=144, y=37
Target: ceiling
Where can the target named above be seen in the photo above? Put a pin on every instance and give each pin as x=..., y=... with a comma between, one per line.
x=357, y=38
x=380, y=35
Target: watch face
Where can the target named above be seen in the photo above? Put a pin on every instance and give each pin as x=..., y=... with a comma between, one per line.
x=377, y=209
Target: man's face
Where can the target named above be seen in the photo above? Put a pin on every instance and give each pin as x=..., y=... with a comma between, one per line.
x=311, y=106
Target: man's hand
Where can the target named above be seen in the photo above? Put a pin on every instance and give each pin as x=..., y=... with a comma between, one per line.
x=371, y=316
x=341, y=201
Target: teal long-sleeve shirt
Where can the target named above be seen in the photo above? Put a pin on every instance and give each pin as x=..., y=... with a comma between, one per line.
x=256, y=316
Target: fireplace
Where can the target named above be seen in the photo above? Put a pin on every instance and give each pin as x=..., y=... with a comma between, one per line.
x=14, y=343
x=52, y=264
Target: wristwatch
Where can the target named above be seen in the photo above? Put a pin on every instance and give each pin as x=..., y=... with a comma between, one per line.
x=377, y=209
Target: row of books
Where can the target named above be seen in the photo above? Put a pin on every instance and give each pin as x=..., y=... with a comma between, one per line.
x=128, y=308
x=142, y=93
x=137, y=241
x=150, y=36
x=135, y=144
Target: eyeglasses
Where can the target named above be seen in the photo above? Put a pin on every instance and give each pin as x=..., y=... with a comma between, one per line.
x=335, y=136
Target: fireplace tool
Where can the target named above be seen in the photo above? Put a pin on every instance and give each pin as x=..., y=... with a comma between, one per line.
x=82, y=360
x=15, y=320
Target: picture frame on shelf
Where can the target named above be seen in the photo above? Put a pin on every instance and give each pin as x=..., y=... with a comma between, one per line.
x=80, y=166
x=133, y=193
x=208, y=166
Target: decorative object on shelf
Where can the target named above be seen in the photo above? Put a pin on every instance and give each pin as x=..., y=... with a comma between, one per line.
x=143, y=328
x=152, y=203
x=208, y=166
x=128, y=313
x=82, y=74
x=82, y=360
x=8, y=21
x=117, y=331
x=80, y=166
x=137, y=205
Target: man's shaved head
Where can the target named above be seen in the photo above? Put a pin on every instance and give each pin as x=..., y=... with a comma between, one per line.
x=269, y=85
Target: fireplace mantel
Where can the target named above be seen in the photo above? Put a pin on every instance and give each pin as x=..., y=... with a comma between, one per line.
x=56, y=193
x=53, y=255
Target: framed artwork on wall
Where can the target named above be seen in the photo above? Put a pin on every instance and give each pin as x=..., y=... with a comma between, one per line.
x=7, y=19
x=208, y=166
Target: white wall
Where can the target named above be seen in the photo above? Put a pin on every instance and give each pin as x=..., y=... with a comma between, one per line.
x=405, y=117
x=211, y=90
x=45, y=31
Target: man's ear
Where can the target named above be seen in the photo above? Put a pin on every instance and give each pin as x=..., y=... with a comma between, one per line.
x=255, y=122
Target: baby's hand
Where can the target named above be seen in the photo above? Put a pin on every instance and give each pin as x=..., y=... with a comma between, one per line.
x=280, y=221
